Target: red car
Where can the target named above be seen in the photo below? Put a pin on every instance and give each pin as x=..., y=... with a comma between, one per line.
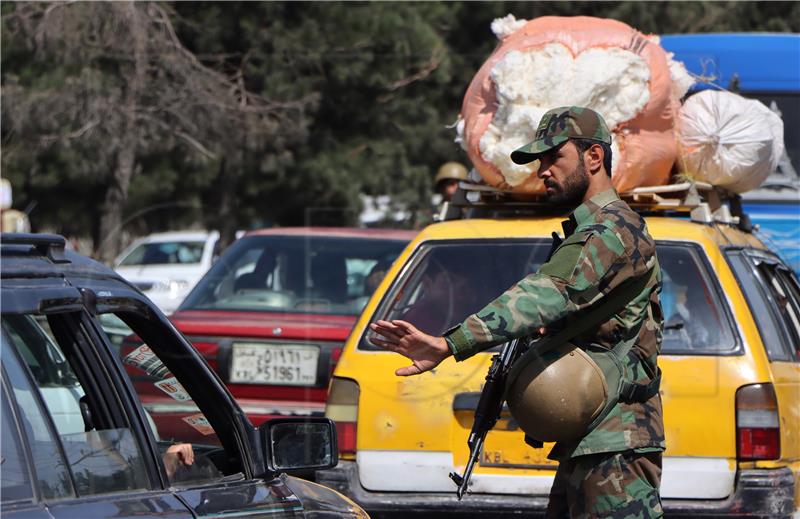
x=272, y=314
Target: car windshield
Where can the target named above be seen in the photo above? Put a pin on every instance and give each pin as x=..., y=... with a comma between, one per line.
x=448, y=282
x=165, y=253
x=298, y=274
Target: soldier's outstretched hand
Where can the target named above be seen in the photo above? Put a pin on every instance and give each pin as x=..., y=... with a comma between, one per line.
x=425, y=351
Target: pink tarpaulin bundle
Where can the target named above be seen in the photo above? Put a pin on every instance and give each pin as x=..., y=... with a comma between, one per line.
x=558, y=61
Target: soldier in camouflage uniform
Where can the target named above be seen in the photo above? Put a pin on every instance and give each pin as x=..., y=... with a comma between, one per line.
x=615, y=469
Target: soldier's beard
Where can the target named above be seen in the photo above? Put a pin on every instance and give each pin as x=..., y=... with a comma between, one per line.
x=574, y=187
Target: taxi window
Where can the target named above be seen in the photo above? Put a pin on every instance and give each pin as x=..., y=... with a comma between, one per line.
x=783, y=285
x=696, y=320
x=772, y=295
x=450, y=281
x=783, y=296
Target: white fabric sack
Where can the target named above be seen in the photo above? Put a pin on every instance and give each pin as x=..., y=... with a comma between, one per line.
x=729, y=141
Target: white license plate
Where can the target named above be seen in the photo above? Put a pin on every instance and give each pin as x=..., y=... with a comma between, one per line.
x=276, y=364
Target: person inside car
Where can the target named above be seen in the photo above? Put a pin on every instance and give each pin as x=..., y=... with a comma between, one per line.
x=258, y=279
x=375, y=276
x=446, y=295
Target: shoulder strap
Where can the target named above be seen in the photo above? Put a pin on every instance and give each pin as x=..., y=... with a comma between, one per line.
x=617, y=299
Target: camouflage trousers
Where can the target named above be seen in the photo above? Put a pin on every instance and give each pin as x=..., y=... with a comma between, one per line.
x=622, y=485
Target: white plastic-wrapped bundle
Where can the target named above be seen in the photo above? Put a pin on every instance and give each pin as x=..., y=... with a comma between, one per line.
x=729, y=141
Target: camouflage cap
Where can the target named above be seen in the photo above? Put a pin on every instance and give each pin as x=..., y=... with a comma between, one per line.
x=559, y=125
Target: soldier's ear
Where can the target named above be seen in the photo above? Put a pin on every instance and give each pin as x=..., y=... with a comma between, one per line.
x=593, y=159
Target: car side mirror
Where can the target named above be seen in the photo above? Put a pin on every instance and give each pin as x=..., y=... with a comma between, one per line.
x=300, y=443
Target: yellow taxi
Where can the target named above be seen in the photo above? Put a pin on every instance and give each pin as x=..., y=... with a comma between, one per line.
x=730, y=360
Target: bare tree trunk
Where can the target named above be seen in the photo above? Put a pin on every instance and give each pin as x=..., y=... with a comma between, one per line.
x=117, y=192
x=226, y=221
x=114, y=200
x=228, y=183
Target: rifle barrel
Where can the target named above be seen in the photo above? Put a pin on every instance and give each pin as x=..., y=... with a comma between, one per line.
x=474, y=454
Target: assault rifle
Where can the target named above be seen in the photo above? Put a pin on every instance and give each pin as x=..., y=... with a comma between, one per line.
x=488, y=410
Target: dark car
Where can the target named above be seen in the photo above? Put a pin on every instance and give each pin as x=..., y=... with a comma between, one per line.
x=76, y=440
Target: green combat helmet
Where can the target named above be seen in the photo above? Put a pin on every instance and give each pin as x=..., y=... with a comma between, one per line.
x=547, y=408
x=451, y=171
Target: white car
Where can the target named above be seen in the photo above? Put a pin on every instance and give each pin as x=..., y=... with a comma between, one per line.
x=165, y=266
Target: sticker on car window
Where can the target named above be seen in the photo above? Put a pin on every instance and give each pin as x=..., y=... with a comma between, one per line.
x=144, y=359
x=199, y=423
x=173, y=388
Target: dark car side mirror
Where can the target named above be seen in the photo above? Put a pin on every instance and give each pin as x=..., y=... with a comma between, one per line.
x=300, y=443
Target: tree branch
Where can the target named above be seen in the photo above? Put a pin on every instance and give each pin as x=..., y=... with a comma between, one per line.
x=182, y=135
x=432, y=64
x=49, y=139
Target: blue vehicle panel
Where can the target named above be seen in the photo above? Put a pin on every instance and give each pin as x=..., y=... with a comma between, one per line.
x=779, y=226
x=761, y=62
x=764, y=67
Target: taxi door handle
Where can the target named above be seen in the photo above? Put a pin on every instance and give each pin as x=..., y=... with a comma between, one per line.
x=468, y=401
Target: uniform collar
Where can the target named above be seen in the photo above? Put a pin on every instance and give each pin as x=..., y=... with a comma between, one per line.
x=584, y=212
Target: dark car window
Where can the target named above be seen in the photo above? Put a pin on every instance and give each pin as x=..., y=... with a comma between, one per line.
x=450, y=281
x=51, y=371
x=51, y=473
x=771, y=293
x=306, y=274
x=16, y=483
x=102, y=457
x=183, y=433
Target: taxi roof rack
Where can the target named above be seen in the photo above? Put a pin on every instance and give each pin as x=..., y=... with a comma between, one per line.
x=703, y=203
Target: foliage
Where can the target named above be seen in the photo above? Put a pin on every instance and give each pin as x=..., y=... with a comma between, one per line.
x=125, y=90
x=267, y=113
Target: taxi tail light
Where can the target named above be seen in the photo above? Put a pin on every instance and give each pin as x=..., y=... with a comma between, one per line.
x=758, y=433
x=342, y=408
x=336, y=354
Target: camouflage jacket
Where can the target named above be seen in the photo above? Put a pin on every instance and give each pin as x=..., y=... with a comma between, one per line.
x=605, y=244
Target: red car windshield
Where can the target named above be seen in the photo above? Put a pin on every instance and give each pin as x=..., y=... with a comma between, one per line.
x=295, y=274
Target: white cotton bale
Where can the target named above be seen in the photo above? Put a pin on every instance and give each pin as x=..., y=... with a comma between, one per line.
x=682, y=80
x=612, y=81
x=728, y=140
x=505, y=26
